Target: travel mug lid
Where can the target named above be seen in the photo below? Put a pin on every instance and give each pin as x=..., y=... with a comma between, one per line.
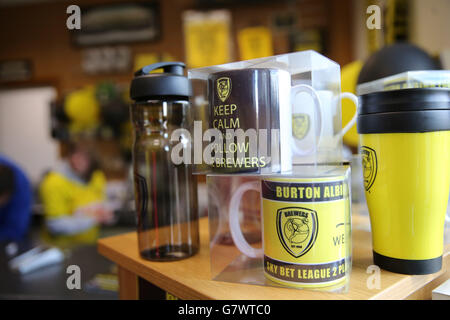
x=171, y=83
x=405, y=110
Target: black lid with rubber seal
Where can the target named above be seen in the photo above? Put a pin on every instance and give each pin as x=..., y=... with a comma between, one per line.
x=169, y=85
x=405, y=110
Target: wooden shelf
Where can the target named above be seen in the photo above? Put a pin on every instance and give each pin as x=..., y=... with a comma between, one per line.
x=191, y=278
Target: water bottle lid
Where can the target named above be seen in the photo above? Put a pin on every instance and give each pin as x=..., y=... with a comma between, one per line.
x=170, y=84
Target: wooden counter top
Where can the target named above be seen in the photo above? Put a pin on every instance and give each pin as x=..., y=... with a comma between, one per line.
x=191, y=278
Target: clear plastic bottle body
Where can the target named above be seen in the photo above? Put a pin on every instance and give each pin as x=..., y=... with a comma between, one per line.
x=165, y=193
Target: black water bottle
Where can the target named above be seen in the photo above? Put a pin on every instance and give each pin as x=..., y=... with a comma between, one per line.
x=165, y=192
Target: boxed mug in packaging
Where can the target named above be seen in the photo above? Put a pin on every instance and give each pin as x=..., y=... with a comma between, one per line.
x=270, y=135
x=292, y=231
x=265, y=115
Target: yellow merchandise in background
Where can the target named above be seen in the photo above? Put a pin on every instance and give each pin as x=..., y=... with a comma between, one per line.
x=83, y=109
x=255, y=42
x=349, y=79
x=207, y=39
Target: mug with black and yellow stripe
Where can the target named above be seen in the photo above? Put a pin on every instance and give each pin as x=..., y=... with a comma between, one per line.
x=306, y=229
x=405, y=150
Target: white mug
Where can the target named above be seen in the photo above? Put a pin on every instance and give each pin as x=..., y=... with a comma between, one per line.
x=310, y=135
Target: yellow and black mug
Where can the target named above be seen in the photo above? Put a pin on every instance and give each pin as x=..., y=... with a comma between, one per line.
x=306, y=230
x=405, y=150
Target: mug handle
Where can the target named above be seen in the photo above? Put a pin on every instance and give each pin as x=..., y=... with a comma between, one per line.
x=351, y=123
x=233, y=215
x=317, y=116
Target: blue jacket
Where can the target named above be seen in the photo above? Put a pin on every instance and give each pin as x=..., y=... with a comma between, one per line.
x=15, y=214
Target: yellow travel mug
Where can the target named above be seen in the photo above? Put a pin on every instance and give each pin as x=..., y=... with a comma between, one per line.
x=405, y=149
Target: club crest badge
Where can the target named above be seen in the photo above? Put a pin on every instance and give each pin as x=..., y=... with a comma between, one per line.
x=223, y=88
x=300, y=125
x=369, y=164
x=297, y=229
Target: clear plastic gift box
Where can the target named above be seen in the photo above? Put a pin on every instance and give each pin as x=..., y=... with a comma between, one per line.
x=324, y=261
x=265, y=115
x=268, y=135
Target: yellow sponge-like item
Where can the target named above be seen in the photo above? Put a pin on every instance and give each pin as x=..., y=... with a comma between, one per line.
x=83, y=109
x=349, y=78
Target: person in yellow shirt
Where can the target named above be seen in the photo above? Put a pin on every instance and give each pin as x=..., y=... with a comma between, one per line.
x=73, y=199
